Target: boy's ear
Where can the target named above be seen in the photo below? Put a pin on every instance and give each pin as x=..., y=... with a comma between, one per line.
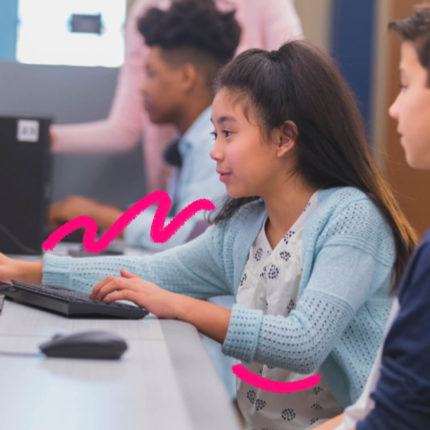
x=189, y=76
x=286, y=136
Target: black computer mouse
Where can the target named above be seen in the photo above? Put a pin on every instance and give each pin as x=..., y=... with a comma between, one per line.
x=86, y=344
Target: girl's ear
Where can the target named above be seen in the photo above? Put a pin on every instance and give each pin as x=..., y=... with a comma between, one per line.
x=286, y=137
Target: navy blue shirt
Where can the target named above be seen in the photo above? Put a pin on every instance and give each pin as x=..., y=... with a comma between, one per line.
x=402, y=394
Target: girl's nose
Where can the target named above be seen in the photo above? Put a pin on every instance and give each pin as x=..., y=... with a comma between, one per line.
x=216, y=151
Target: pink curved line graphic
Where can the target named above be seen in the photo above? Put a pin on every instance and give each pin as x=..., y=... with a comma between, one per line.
x=159, y=233
x=274, y=386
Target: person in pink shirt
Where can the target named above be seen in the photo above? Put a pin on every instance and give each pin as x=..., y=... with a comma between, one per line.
x=265, y=24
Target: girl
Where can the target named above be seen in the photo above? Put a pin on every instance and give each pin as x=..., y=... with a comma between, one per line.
x=310, y=243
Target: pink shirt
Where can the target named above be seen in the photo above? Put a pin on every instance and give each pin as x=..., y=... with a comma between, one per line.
x=265, y=24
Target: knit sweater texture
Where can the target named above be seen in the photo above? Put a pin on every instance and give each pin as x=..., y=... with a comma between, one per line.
x=344, y=301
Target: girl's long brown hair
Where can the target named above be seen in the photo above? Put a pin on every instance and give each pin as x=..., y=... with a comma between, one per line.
x=301, y=84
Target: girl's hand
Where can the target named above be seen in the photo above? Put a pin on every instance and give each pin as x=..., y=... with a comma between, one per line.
x=20, y=270
x=9, y=268
x=212, y=320
x=129, y=286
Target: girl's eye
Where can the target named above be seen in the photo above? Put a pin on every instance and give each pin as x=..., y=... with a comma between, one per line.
x=403, y=87
x=225, y=132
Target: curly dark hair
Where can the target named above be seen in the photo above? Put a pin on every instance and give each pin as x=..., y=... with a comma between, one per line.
x=192, y=24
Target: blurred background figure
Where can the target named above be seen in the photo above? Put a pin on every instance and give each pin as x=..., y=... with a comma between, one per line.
x=188, y=44
x=264, y=25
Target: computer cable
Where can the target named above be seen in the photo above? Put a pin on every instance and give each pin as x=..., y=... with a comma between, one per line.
x=24, y=248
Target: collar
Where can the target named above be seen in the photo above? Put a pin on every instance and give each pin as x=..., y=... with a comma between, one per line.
x=198, y=128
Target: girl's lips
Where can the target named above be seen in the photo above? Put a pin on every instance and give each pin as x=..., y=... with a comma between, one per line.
x=223, y=176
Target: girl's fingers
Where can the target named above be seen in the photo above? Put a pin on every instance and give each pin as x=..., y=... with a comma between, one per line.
x=109, y=287
x=117, y=295
x=127, y=274
x=124, y=295
x=95, y=293
x=117, y=284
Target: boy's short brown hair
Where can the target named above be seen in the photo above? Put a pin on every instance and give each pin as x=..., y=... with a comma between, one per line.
x=416, y=29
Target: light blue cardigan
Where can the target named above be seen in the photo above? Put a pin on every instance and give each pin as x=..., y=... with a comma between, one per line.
x=337, y=326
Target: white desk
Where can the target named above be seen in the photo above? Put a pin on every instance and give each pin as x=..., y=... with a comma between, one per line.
x=163, y=381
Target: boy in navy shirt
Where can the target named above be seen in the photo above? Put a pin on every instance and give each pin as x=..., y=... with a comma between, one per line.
x=401, y=397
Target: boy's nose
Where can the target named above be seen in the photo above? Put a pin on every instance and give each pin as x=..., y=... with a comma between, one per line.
x=144, y=86
x=393, y=109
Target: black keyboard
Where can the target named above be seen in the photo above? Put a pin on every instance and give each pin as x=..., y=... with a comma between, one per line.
x=67, y=302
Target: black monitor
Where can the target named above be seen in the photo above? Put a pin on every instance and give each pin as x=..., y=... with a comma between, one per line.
x=86, y=23
x=25, y=170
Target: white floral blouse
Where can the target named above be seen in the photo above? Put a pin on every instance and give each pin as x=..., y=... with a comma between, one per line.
x=270, y=282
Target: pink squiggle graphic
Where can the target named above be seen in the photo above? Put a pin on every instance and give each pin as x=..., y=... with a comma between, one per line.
x=274, y=386
x=159, y=233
